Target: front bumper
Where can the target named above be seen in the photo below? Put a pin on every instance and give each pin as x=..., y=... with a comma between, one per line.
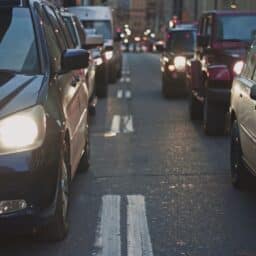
x=176, y=79
x=31, y=176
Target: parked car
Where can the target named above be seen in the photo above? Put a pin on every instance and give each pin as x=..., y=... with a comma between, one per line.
x=180, y=46
x=243, y=123
x=78, y=36
x=224, y=37
x=100, y=18
x=43, y=118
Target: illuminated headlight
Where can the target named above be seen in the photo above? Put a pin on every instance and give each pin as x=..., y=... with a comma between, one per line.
x=22, y=131
x=171, y=68
x=98, y=61
x=180, y=63
x=109, y=55
x=238, y=67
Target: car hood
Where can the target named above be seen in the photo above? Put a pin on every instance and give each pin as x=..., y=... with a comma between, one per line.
x=18, y=92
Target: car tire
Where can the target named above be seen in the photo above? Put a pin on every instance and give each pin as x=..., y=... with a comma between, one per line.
x=213, y=118
x=239, y=174
x=165, y=89
x=57, y=228
x=195, y=108
x=84, y=164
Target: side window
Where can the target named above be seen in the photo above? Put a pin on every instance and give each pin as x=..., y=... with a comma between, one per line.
x=80, y=30
x=51, y=40
x=209, y=26
x=57, y=29
x=249, y=67
x=203, y=26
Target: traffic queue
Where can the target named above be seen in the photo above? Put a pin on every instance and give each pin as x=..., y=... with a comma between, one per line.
x=49, y=84
x=215, y=66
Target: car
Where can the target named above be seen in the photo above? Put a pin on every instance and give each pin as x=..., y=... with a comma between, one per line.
x=79, y=38
x=100, y=18
x=243, y=123
x=44, y=135
x=180, y=46
x=223, y=40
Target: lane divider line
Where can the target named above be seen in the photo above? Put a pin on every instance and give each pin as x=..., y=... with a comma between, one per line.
x=115, y=125
x=128, y=124
x=120, y=94
x=108, y=240
x=138, y=237
x=128, y=94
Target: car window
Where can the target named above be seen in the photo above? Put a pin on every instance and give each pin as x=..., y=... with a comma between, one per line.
x=209, y=26
x=236, y=27
x=58, y=32
x=54, y=48
x=181, y=41
x=80, y=30
x=249, y=67
x=102, y=27
x=17, y=28
x=70, y=25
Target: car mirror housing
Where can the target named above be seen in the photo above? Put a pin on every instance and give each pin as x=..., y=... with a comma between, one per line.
x=203, y=41
x=73, y=59
x=253, y=92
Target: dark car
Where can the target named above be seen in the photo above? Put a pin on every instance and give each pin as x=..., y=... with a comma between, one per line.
x=43, y=118
x=79, y=37
x=243, y=123
x=223, y=40
x=180, y=46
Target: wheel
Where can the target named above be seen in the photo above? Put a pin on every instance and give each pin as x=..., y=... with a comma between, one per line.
x=57, y=228
x=214, y=118
x=92, y=110
x=239, y=174
x=165, y=89
x=85, y=160
x=102, y=85
x=195, y=108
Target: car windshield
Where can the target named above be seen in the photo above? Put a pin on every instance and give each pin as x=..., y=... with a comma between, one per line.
x=236, y=28
x=181, y=41
x=18, y=51
x=101, y=27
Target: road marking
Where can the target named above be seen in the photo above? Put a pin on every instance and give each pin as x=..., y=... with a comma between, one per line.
x=115, y=125
x=128, y=124
x=128, y=94
x=120, y=94
x=108, y=242
x=138, y=237
x=128, y=80
x=122, y=80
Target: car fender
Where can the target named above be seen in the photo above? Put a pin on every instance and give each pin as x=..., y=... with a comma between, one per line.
x=219, y=73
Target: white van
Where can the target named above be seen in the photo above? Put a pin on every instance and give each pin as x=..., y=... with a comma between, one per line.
x=100, y=19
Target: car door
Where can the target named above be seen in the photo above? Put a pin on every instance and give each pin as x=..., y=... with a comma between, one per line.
x=70, y=87
x=247, y=110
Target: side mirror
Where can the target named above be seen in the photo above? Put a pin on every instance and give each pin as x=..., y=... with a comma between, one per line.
x=253, y=92
x=94, y=41
x=73, y=59
x=203, y=41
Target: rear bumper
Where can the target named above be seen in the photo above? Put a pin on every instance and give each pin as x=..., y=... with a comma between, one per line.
x=219, y=95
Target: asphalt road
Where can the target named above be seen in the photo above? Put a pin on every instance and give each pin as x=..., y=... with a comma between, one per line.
x=157, y=185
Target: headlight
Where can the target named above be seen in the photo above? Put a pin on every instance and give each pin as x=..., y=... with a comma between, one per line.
x=238, y=67
x=180, y=63
x=98, y=61
x=109, y=55
x=22, y=131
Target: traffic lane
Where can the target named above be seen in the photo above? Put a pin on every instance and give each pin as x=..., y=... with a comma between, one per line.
x=181, y=208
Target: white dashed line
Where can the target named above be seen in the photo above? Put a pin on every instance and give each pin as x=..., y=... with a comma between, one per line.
x=139, y=241
x=128, y=94
x=108, y=240
x=122, y=80
x=120, y=94
x=115, y=125
x=127, y=79
x=128, y=124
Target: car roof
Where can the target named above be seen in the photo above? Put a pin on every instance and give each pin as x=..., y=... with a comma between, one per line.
x=182, y=28
x=92, y=12
x=230, y=12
